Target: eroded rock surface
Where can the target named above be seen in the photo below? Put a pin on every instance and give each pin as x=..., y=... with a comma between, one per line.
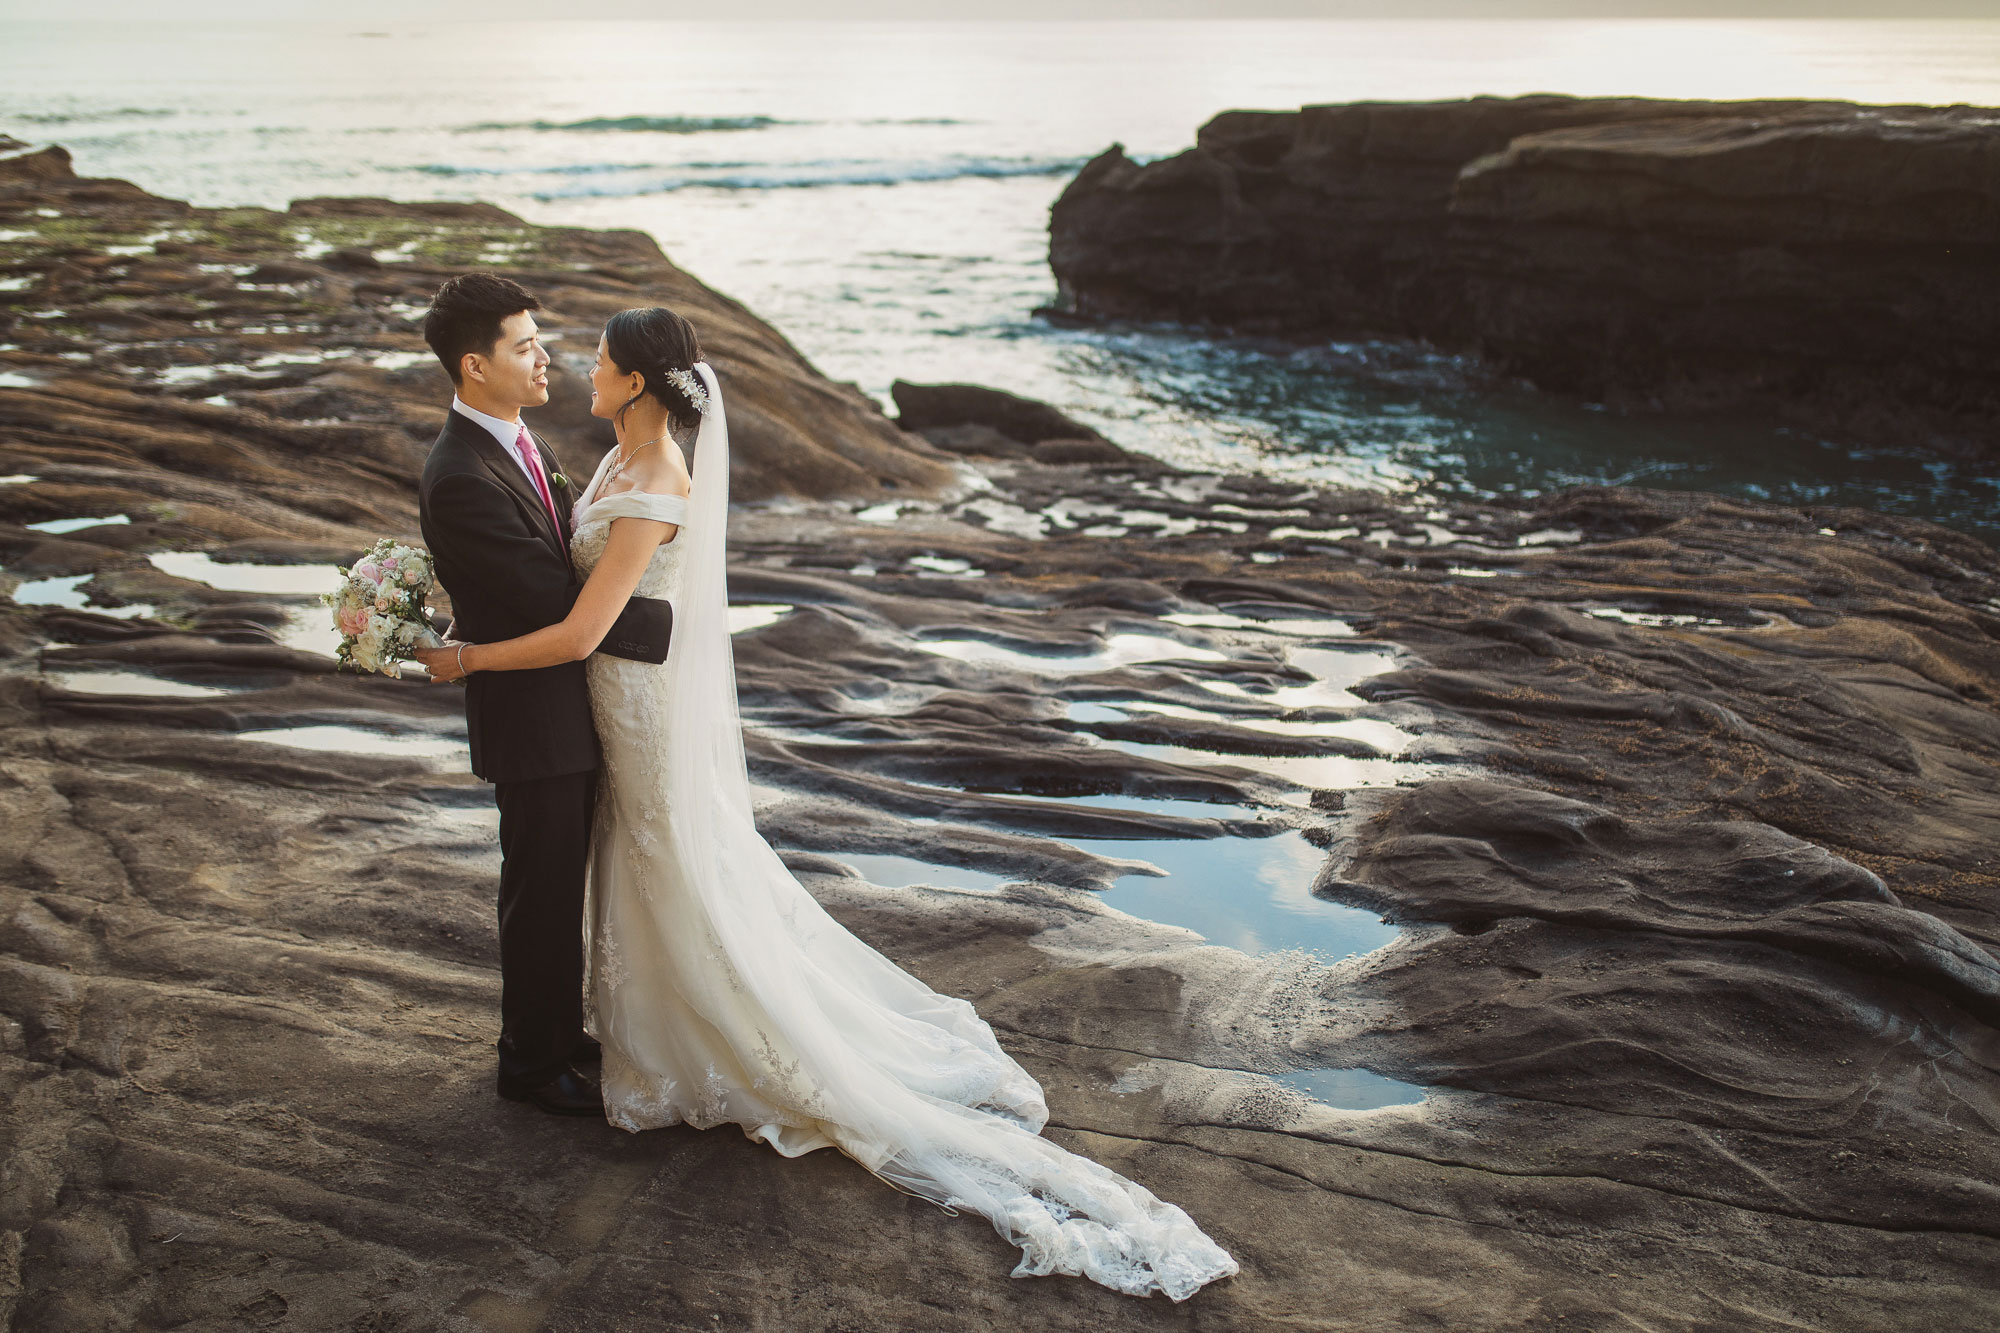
x=1687, y=807
x=254, y=340
x=1832, y=264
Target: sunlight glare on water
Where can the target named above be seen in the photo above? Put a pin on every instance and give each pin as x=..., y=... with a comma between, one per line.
x=880, y=192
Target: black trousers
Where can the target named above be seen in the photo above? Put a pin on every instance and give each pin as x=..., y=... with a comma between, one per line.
x=544, y=845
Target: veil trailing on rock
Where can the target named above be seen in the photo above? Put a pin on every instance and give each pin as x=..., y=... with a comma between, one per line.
x=741, y=1000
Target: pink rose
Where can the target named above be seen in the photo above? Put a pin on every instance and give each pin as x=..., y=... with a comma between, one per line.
x=350, y=621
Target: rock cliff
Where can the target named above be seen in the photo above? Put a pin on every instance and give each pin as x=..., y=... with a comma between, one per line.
x=1835, y=265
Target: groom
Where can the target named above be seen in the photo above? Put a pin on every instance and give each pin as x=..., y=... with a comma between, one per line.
x=495, y=514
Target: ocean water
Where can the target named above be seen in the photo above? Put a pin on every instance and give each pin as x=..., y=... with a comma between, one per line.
x=880, y=192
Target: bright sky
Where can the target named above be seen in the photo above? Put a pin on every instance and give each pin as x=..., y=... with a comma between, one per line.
x=351, y=13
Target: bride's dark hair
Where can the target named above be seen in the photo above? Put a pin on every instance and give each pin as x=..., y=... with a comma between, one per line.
x=655, y=342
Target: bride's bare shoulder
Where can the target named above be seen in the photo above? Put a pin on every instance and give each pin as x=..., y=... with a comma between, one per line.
x=664, y=474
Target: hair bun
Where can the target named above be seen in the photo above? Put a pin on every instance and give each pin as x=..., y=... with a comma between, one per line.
x=660, y=345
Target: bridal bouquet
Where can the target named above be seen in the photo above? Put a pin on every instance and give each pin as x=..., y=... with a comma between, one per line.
x=379, y=608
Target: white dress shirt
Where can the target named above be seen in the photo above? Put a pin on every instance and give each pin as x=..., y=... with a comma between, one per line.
x=500, y=429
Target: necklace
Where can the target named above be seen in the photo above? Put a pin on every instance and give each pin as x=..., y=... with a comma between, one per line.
x=626, y=457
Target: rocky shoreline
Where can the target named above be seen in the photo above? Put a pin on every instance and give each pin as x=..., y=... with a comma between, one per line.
x=1683, y=810
x=1830, y=265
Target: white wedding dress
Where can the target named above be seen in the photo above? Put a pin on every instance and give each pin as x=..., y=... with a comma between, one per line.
x=724, y=994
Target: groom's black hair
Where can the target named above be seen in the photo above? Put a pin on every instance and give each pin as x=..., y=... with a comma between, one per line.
x=465, y=316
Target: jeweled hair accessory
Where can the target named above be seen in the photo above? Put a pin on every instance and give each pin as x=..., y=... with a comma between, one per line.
x=688, y=383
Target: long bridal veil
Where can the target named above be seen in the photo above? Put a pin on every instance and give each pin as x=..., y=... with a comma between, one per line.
x=837, y=1045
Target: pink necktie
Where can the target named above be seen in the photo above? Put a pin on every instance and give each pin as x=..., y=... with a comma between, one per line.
x=532, y=458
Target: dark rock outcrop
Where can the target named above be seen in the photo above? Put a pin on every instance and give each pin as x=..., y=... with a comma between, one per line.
x=973, y=419
x=1834, y=264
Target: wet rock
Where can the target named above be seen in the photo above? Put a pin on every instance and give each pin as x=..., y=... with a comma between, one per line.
x=1078, y=451
x=971, y=438
x=1693, y=843
x=202, y=314
x=925, y=407
x=1828, y=263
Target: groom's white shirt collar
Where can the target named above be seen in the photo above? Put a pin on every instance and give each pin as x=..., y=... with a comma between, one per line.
x=499, y=428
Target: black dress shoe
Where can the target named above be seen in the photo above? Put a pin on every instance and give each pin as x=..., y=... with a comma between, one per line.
x=568, y=1093
x=587, y=1052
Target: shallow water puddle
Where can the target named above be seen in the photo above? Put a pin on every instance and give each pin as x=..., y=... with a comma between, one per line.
x=310, y=630
x=55, y=527
x=289, y=580
x=1335, y=670
x=1658, y=619
x=756, y=615
x=944, y=567
x=1387, y=737
x=67, y=591
x=1118, y=650
x=903, y=872
x=477, y=823
x=1315, y=772
x=133, y=683
x=359, y=740
x=1352, y=1089
x=63, y=590
x=1152, y=805
x=1326, y=629
x=1250, y=894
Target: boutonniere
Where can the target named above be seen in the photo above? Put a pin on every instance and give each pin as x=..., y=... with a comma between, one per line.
x=559, y=481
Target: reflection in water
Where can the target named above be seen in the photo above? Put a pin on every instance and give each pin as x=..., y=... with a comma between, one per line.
x=132, y=682
x=1391, y=418
x=1324, y=629
x=1118, y=650
x=1251, y=894
x=309, y=629
x=1387, y=737
x=201, y=567
x=67, y=591
x=1352, y=1089
x=56, y=527
x=359, y=740
x=755, y=615
x=1318, y=772
x=902, y=872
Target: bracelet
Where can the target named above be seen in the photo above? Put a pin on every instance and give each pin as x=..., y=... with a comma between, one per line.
x=461, y=662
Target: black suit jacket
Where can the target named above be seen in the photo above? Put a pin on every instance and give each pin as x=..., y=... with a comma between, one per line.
x=507, y=569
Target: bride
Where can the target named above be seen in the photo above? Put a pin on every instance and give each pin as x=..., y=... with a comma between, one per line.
x=722, y=992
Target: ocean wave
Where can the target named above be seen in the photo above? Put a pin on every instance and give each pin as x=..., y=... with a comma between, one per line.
x=565, y=169
x=74, y=117
x=813, y=175
x=640, y=124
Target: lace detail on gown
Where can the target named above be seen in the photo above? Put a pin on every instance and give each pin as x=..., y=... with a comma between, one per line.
x=725, y=994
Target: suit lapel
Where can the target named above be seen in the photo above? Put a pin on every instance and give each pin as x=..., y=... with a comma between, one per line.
x=509, y=473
